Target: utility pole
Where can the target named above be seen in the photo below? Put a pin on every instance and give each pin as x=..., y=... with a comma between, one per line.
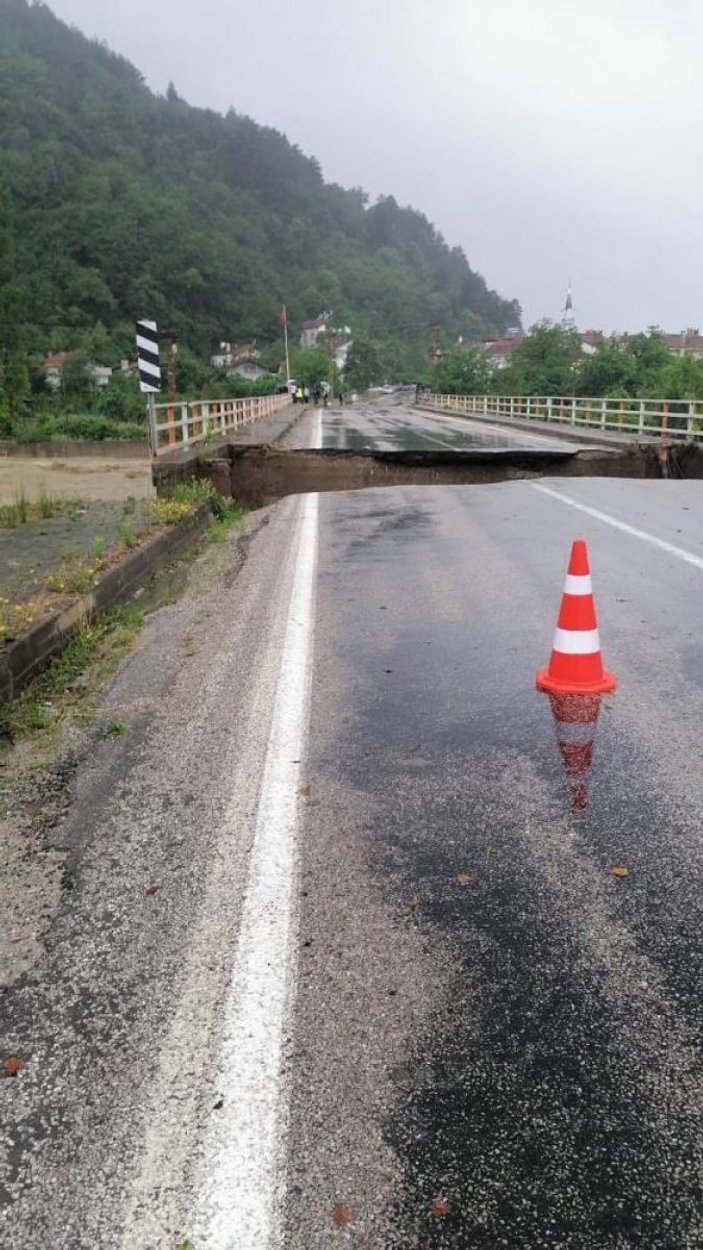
x=433, y=348
x=169, y=338
x=283, y=318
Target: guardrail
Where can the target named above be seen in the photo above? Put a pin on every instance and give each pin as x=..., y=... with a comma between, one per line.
x=666, y=418
x=175, y=425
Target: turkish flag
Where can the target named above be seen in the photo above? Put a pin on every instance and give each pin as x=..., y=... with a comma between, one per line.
x=283, y=318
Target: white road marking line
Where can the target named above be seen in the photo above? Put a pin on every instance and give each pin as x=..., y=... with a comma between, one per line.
x=466, y=426
x=239, y=1206
x=317, y=436
x=669, y=548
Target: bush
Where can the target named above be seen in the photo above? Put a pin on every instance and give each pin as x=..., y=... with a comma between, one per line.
x=121, y=400
x=49, y=428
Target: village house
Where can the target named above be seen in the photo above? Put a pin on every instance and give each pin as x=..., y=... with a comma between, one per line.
x=338, y=339
x=240, y=359
x=686, y=343
x=53, y=371
x=312, y=330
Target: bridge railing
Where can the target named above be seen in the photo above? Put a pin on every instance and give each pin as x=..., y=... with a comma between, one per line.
x=644, y=418
x=177, y=425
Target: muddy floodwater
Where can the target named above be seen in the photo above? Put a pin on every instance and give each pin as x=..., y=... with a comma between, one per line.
x=83, y=476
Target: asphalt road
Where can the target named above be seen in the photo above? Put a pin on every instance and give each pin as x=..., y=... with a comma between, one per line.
x=393, y=424
x=312, y=1033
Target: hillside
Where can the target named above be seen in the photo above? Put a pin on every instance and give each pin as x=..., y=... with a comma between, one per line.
x=126, y=204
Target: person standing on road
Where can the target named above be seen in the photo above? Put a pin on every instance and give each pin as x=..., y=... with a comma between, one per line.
x=340, y=397
x=298, y=397
x=306, y=394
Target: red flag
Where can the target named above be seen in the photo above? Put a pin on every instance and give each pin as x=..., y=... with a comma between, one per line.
x=283, y=318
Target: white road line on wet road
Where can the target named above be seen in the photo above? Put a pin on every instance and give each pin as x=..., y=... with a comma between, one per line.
x=239, y=1206
x=317, y=437
x=460, y=425
x=669, y=548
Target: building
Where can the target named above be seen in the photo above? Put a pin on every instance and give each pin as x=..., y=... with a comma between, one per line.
x=686, y=343
x=499, y=351
x=338, y=339
x=53, y=369
x=339, y=345
x=230, y=355
x=568, y=317
x=312, y=330
x=54, y=366
x=590, y=341
x=247, y=368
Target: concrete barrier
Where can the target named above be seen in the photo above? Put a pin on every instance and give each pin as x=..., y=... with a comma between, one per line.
x=72, y=448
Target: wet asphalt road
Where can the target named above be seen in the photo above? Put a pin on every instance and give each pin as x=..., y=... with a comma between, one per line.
x=514, y=1061
x=392, y=424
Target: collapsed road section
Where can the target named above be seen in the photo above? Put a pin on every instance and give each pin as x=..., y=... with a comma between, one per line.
x=258, y=475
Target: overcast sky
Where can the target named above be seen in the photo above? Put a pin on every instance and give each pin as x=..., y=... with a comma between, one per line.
x=551, y=139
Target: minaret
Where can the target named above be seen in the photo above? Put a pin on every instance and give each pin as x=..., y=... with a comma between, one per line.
x=568, y=319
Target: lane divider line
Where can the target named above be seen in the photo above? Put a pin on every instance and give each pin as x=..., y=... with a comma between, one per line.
x=670, y=548
x=240, y=1201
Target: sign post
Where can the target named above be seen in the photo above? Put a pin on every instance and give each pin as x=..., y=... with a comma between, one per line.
x=149, y=374
x=284, y=322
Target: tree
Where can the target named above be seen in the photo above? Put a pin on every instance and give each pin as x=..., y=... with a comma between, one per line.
x=611, y=370
x=311, y=366
x=545, y=362
x=14, y=378
x=463, y=371
x=363, y=366
x=651, y=355
x=76, y=378
x=680, y=378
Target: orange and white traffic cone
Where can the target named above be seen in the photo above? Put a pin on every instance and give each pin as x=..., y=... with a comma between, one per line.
x=576, y=665
x=575, y=720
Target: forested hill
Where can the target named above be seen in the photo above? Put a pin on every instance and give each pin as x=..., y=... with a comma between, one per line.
x=126, y=204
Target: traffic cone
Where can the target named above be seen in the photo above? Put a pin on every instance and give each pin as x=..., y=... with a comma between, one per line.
x=575, y=720
x=575, y=665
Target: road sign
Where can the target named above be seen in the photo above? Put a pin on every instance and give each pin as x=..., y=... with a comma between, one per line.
x=148, y=357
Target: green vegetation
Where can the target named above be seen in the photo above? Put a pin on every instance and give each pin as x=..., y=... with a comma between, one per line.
x=310, y=366
x=76, y=576
x=550, y=361
x=545, y=362
x=463, y=371
x=127, y=535
x=120, y=204
x=67, y=688
x=22, y=510
x=171, y=511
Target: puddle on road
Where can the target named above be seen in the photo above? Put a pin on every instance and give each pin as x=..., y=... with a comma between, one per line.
x=575, y=719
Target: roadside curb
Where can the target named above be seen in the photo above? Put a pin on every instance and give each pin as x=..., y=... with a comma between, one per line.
x=23, y=659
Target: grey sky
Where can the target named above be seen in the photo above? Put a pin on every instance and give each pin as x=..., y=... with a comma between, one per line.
x=549, y=138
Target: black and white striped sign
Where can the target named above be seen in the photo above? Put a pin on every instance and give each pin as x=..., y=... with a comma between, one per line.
x=148, y=357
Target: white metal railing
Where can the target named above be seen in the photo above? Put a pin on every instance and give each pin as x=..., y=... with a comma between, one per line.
x=175, y=424
x=648, y=418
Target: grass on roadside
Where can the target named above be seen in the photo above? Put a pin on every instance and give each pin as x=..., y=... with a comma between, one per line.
x=16, y=617
x=23, y=510
x=67, y=689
